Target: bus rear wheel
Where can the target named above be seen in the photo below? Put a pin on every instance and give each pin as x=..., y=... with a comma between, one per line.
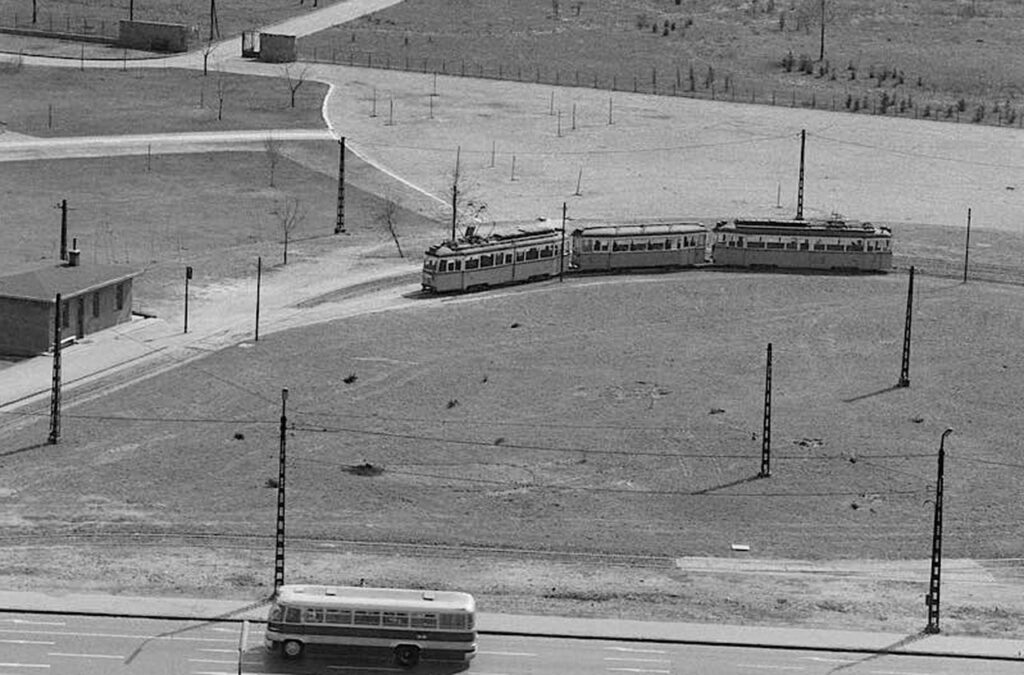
x=407, y=656
x=291, y=649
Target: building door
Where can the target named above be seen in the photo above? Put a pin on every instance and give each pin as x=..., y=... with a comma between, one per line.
x=80, y=319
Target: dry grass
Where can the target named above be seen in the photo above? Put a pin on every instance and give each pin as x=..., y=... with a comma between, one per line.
x=932, y=54
x=68, y=102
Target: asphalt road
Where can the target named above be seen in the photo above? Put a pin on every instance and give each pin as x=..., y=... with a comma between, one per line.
x=84, y=645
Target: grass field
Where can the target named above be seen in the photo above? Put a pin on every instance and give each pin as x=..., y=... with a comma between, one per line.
x=102, y=16
x=952, y=60
x=68, y=102
x=211, y=211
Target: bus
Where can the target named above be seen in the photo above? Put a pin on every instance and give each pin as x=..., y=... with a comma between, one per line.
x=410, y=624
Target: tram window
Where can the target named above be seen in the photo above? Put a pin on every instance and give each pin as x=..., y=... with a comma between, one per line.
x=791, y=245
x=532, y=254
x=293, y=615
x=656, y=245
x=472, y=263
x=818, y=246
x=834, y=247
x=620, y=246
x=774, y=244
x=313, y=615
x=520, y=255
x=547, y=252
x=486, y=261
x=455, y=266
x=588, y=246
x=340, y=616
x=855, y=246
x=739, y=242
x=428, y=264
x=755, y=244
x=805, y=245
x=638, y=246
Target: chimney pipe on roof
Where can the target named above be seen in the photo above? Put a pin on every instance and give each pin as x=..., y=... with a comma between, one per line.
x=74, y=255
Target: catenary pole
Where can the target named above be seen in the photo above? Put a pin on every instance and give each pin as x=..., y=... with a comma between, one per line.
x=766, y=433
x=279, y=547
x=932, y=599
x=54, y=437
x=904, y=380
x=800, y=180
x=259, y=283
x=339, y=225
x=967, y=244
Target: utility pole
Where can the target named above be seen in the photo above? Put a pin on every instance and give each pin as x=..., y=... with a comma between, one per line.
x=904, y=380
x=259, y=282
x=188, y=276
x=131, y=10
x=455, y=191
x=63, y=229
x=932, y=599
x=279, y=549
x=800, y=180
x=821, y=54
x=967, y=244
x=766, y=433
x=339, y=226
x=214, y=25
x=54, y=437
x=561, y=252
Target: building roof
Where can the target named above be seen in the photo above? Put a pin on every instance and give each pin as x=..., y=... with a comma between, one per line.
x=46, y=282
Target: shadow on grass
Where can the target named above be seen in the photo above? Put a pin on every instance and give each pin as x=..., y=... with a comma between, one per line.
x=873, y=393
x=27, y=448
x=723, y=486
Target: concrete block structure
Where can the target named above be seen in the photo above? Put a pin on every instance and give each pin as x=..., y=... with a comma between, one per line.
x=94, y=297
x=155, y=37
x=275, y=48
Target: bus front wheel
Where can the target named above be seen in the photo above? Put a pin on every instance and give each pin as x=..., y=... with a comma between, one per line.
x=407, y=656
x=292, y=649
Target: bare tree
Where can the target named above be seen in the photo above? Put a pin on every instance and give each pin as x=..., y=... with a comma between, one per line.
x=389, y=207
x=466, y=207
x=222, y=89
x=207, y=50
x=295, y=79
x=272, y=146
x=290, y=214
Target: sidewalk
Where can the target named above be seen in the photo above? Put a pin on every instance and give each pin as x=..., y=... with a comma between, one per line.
x=548, y=626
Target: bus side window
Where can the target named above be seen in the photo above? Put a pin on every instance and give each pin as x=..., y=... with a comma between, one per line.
x=293, y=615
x=452, y=621
x=396, y=619
x=340, y=616
x=365, y=617
x=423, y=620
x=313, y=615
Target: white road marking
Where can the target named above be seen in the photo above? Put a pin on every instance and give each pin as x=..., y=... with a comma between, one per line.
x=635, y=658
x=633, y=649
x=639, y=670
x=214, y=649
x=86, y=656
x=136, y=636
x=823, y=659
x=897, y=672
x=27, y=642
x=761, y=666
x=506, y=653
x=222, y=629
x=24, y=665
x=35, y=623
x=230, y=663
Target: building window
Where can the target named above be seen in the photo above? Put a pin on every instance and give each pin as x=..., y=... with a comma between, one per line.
x=96, y=305
x=119, y=297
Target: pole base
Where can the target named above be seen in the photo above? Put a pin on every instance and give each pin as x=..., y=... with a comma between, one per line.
x=903, y=383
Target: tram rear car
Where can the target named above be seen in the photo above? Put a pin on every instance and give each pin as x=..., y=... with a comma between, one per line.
x=807, y=245
x=475, y=262
x=622, y=247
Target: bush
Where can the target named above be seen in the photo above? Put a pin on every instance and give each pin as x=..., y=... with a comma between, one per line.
x=979, y=114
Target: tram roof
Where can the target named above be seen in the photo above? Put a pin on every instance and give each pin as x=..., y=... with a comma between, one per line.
x=814, y=227
x=639, y=229
x=377, y=598
x=498, y=240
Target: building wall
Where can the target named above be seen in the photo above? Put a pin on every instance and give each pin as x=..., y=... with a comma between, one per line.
x=26, y=326
x=156, y=37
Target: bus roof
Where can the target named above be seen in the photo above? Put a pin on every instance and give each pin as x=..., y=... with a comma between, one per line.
x=639, y=229
x=397, y=599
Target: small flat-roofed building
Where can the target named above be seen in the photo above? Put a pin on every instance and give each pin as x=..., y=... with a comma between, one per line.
x=94, y=297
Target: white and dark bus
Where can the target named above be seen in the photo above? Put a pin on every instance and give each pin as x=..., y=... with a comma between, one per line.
x=410, y=624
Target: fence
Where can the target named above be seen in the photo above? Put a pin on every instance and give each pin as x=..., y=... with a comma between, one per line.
x=60, y=25
x=680, y=81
